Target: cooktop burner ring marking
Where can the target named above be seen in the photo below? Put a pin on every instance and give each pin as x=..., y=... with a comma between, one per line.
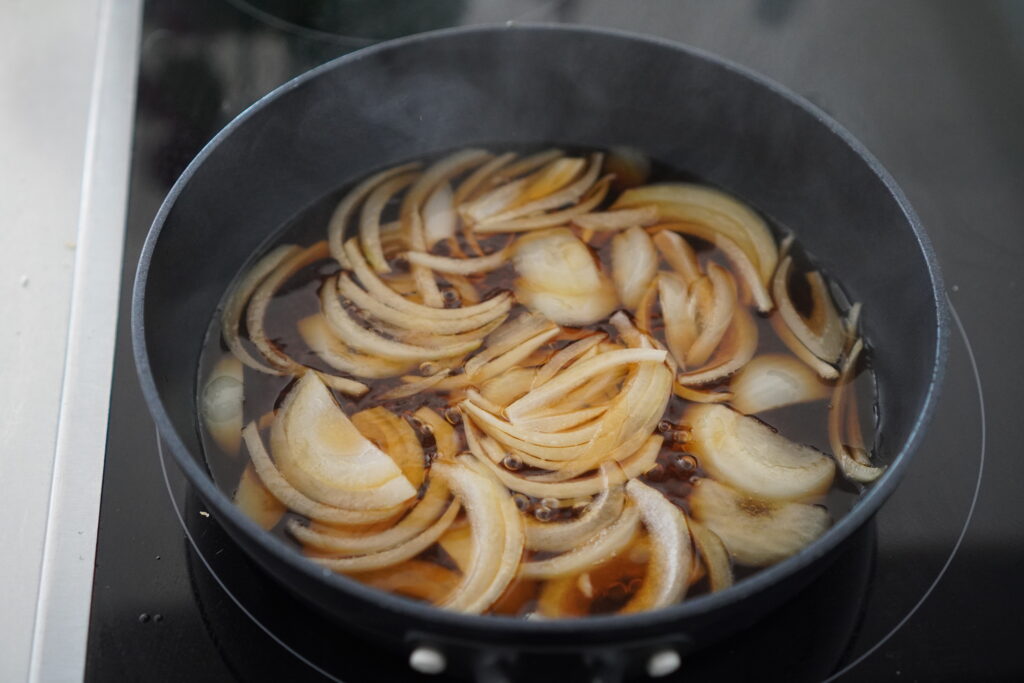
x=970, y=510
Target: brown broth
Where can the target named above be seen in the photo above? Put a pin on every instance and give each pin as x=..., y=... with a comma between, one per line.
x=614, y=582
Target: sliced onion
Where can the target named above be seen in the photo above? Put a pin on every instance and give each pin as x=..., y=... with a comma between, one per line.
x=332, y=540
x=618, y=220
x=238, y=297
x=260, y=300
x=411, y=321
x=507, y=337
x=561, y=421
x=752, y=457
x=570, y=309
x=630, y=166
x=720, y=213
x=362, y=339
x=414, y=578
x=391, y=240
x=510, y=433
x=221, y=405
x=395, y=555
x=741, y=262
x=592, y=551
x=567, y=195
x=563, y=536
x=331, y=350
x=340, y=218
x=587, y=203
x=296, y=500
x=679, y=254
x=439, y=217
x=716, y=557
x=491, y=203
x=639, y=462
x=716, y=321
x=439, y=172
x=851, y=468
x=671, y=550
x=378, y=288
x=445, y=439
x=256, y=501
x=576, y=375
x=460, y=266
x=826, y=343
x=415, y=387
x=634, y=265
x=458, y=543
x=556, y=260
x=699, y=396
x=345, y=385
x=396, y=437
x=550, y=178
x=508, y=386
x=480, y=176
x=824, y=370
x=567, y=355
x=775, y=380
x=679, y=314
x=527, y=164
x=498, y=535
x=508, y=360
x=465, y=288
x=369, y=218
x=322, y=454
x=738, y=348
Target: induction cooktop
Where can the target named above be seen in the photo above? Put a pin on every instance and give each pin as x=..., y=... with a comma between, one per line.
x=924, y=592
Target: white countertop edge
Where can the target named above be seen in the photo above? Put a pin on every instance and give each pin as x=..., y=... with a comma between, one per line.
x=60, y=631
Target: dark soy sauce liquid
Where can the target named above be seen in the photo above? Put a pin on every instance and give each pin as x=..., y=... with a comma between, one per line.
x=614, y=583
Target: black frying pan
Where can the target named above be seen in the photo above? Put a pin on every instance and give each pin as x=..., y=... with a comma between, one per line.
x=523, y=85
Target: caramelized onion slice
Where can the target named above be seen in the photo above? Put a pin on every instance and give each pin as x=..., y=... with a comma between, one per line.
x=331, y=350
x=774, y=380
x=671, y=560
x=322, y=454
x=562, y=536
x=756, y=533
x=238, y=297
x=716, y=557
x=256, y=500
x=326, y=539
x=825, y=343
x=608, y=541
x=634, y=265
x=850, y=467
x=221, y=405
x=748, y=455
x=295, y=499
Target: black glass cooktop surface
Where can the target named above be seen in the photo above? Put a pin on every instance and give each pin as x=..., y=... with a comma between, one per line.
x=926, y=592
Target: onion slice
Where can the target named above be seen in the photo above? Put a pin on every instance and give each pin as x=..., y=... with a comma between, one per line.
x=606, y=542
x=416, y=386
x=221, y=404
x=295, y=499
x=825, y=343
x=678, y=311
x=634, y=265
x=369, y=218
x=527, y=164
x=340, y=218
x=558, y=422
x=567, y=195
x=415, y=578
x=850, y=467
x=561, y=536
x=775, y=380
x=587, y=203
x=256, y=501
x=439, y=217
x=715, y=323
x=716, y=557
x=396, y=437
x=445, y=438
x=238, y=297
x=480, y=176
x=679, y=254
x=740, y=345
x=618, y=220
x=567, y=355
x=318, y=337
x=671, y=550
x=459, y=266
